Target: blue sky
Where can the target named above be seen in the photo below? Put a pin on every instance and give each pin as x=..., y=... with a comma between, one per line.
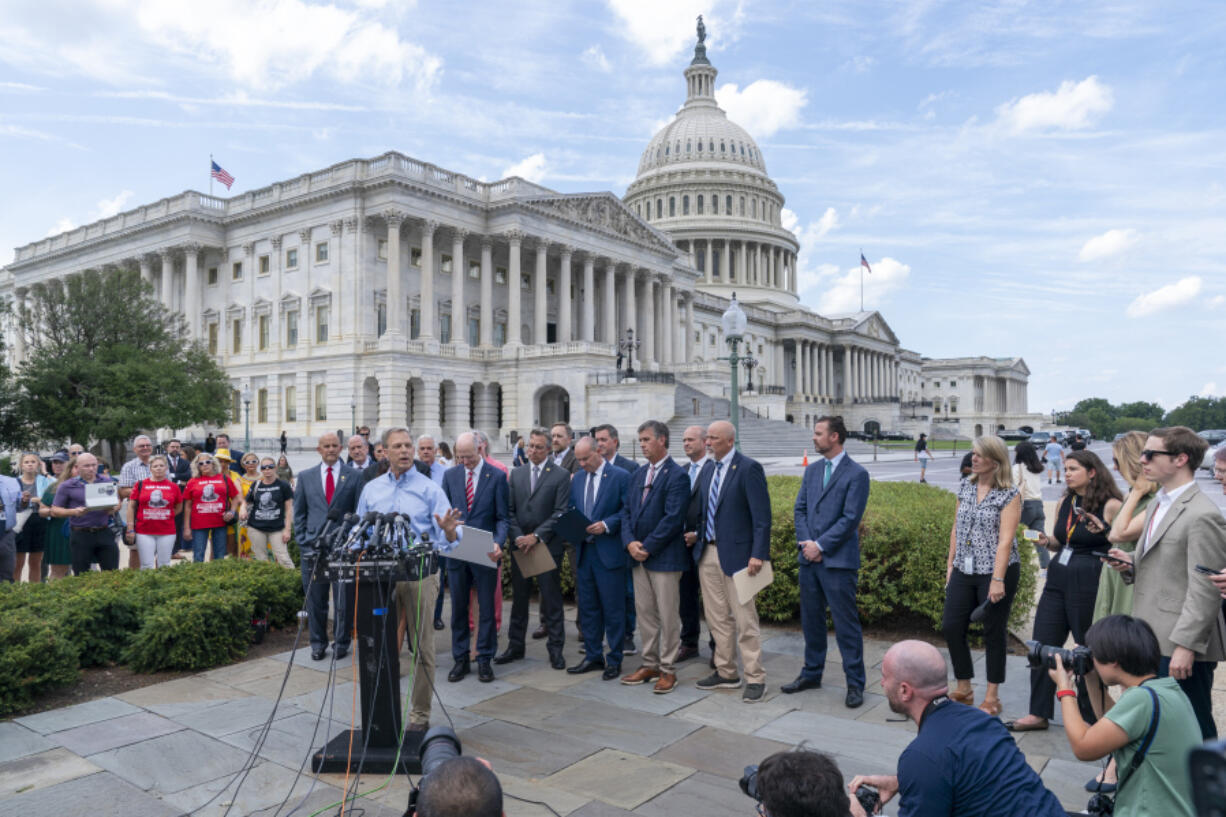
x=1037, y=178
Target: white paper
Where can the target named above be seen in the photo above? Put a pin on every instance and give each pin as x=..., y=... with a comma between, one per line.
x=749, y=586
x=475, y=546
x=1065, y=554
x=101, y=495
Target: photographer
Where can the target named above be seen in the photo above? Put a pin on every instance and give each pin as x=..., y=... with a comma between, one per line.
x=460, y=787
x=798, y=784
x=963, y=763
x=1126, y=652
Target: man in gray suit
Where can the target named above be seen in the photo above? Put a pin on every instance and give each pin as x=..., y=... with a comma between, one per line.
x=540, y=493
x=330, y=488
x=1183, y=529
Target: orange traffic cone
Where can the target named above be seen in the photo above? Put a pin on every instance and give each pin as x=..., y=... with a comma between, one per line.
x=805, y=461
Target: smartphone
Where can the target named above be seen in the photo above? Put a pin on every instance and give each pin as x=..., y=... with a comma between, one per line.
x=1031, y=535
x=1102, y=554
x=1204, y=571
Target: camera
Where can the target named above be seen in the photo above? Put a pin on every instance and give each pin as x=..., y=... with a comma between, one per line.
x=1078, y=660
x=438, y=746
x=749, y=782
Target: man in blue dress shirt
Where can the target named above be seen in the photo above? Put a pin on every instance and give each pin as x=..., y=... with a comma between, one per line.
x=406, y=491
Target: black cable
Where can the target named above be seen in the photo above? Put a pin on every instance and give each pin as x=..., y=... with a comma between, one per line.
x=328, y=697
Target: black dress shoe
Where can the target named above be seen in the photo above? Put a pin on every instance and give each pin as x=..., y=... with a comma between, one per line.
x=485, y=673
x=557, y=661
x=800, y=685
x=318, y=653
x=855, y=697
x=460, y=669
x=539, y=633
x=339, y=651
x=508, y=655
x=585, y=666
x=438, y=624
x=611, y=672
x=685, y=653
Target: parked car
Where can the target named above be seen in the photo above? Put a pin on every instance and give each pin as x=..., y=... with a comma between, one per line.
x=1040, y=439
x=1213, y=436
x=1013, y=435
x=1086, y=436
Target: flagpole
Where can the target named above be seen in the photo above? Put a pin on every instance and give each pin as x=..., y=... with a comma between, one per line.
x=210, y=175
x=861, y=279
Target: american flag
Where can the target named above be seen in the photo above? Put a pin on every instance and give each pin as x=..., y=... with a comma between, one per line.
x=221, y=175
x=863, y=260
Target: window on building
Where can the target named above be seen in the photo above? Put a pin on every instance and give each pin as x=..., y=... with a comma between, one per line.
x=321, y=324
x=211, y=276
x=672, y=206
x=236, y=406
x=444, y=263
x=474, y=331
x=638, y=210
x=321, y=401
x=728, y=205
x=236, y=337
x=212, y=338
x=380, y=320
x=263, y=332
x=953, y=406
x=525, y=281
x=715, y=205
x=236, y=271
x=291, y=404
x=953, y=384
x=382, y=249
x=415, y=256
x=414, y=324
x=291, y=329
x=754, y=208
x=700, y=146
x=659, y=208
x=549, y=287
x=474, y=269
x=742, y=205
x=444, y=329
x=261, y=406
x=500, y=333
x=685, y=205
x=699, y=202
x=687, y=145
x=264, y=265
x=291, y=259
x=321, y=252
x=500, y=275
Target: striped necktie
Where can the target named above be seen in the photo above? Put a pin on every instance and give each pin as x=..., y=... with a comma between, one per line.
x=651, y=473
x=712, y=498
x=468, y=490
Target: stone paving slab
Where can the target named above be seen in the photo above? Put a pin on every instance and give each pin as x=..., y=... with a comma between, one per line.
x=172, y=762
x=43, y=770
x=523, y=751
x=1051, y=742
x=719, y=752
x=302, y=658
x=605, y=776
x=1067, y=780
x=342, y=695
x=106, y=794
x=560, y=800
x=298, y=683
x=543, y=677
x=702, y=794
x=527, y=707
x=639, y=697
x=865, y=748
x=831, y=700
x=596, y=808
x=57, y=720
x=98, y=737
x=289, y=740
x=18, y=741
x=192, y=689
x=468, y=691
x=715, y=710
x=630, y=731
x=241, y=714
x=265, y=786
x=235, y=674
x=322, y=796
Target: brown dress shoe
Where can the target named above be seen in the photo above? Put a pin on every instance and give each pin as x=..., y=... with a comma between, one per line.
x=665, y=683
x=640, y=676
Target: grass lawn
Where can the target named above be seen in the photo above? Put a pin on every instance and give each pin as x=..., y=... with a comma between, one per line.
x=933, y=445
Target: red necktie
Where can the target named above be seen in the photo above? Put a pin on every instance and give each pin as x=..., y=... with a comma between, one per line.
x=329, y=486
x=468, y=490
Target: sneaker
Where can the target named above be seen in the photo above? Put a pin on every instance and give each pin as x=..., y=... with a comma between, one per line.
x=753, y=693
x=717, y=681
x=628, y=647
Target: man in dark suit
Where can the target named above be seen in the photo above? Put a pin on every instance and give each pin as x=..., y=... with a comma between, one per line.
x=562, y=439
x=652, y=521
x=735, y=520
x=479, y=493
x=236, y=456
x=828, y=510
x=179, y=471
x=323, y=488
x=599, y=491
x=694, y=444
x=607, y=443
x=359, y=452
x=539, y=494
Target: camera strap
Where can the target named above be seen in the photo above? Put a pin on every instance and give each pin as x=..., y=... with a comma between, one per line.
x=1146, y=742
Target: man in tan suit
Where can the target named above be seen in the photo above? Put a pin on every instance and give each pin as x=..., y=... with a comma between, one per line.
x=1183, y=529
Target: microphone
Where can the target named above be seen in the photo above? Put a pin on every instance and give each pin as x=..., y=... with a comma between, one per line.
x=343, y=529
x=359, y=529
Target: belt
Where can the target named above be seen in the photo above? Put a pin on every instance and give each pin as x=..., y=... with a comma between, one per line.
x=93, y=530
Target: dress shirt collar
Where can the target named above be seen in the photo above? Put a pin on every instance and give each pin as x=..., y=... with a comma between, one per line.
x=561, y=455
x=323, y=470
x=727, y=458
x=1171, y=496
x=835, y=460
x=476, y=471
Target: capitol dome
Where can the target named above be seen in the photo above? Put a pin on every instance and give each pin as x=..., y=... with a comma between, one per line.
x=702, y=180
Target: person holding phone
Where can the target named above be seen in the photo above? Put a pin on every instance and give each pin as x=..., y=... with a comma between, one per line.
x=1114, y=594
x=1067, y=603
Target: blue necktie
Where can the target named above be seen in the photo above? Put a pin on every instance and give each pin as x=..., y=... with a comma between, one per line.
x=589, y=495
x=829, y=471
x=712, y=497
x=694, y=471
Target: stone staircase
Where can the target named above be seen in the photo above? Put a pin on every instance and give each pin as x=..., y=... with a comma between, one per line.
x=759, y=437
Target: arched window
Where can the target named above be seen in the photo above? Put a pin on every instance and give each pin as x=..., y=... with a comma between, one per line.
x=685, y=205
x=321, y=401
x=728, y=205
x=700, y=204
x=700, y=146
x=672, y=206
x=722, y=147
x=687, y=145
x=742, y=149
x=711, y=145
x=715, y=205
x=638, y=210
x=666, y=150
x=754, y=207
x=659, y=208
x=742, y=205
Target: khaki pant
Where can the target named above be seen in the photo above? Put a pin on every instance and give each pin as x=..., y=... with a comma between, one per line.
x=262, y=540
x=657, y=597
x=415, y=603
x=727, y=618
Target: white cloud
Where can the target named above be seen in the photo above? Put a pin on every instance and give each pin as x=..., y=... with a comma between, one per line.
x=112, y=206
x=62, y=226
x=1109, y=243
x=842, y=295
x=1217, y=300
x=663, y=30
x=19, y=88
x=764, y=107
x=810, y=237
x=1167, y=297
x=789, y=220
x=859, y=64
x=1073, y=106
x=595, y=57
x=532, y=168
x=1209, y=389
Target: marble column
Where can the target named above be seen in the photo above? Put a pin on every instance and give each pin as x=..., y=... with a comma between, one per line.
x=610, y=302
x=849, y=380
x=688, y=346
x=802, y=367
x=168, y=269
x=630, y=316
x=514, y=288
x=763, y=277
x=426, y=330
x=486, y=333
x=710, y=269
x=540, y=306
x=588, y=325
x=565, y=335
x=425, y=400
x=828, y=364
x=395, y=296
x=191, y=288
x=649, y=319
x=668, y=324
x=146, y=270
x=459, y=312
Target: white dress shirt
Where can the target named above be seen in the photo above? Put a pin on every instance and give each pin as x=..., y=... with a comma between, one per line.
x=1163, y=502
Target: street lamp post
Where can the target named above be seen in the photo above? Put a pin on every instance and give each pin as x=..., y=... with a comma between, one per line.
x=353, y=414
x=627, y=346
x=247, y=417
x=734, y=322
x=750, y=363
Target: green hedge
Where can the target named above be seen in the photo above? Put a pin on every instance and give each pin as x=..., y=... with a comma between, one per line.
x=191, y=616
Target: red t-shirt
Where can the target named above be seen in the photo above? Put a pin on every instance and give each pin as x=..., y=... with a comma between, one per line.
x=155, y=507
x=210, y=500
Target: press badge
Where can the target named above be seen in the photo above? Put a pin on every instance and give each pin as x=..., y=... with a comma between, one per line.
x=968, y=565
x=1066, y=553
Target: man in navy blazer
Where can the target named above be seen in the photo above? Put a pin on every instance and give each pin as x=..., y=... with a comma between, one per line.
x=734, y=520
x=653, y=519
x=487, y=511
x=599, y=492
x=828, y=510
x=330, y=488
x=607, y=443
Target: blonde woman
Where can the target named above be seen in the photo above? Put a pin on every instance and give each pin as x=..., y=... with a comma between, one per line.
x=268, y=512
x=982, y=568
x=1113, y=595
x=249, y=476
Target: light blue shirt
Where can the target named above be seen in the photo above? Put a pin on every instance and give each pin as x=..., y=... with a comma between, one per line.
x=835, y=460
x=437, y=469
x=416, y=497
x=10, y=496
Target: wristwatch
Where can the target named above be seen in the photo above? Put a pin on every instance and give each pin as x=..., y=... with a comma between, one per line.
x=998, y=579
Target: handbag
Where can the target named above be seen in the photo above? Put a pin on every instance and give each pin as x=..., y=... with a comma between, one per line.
x=22, y=518
x=1104, y=805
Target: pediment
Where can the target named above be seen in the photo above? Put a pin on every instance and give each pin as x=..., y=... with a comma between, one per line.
x=875, y=326
x=605, y=212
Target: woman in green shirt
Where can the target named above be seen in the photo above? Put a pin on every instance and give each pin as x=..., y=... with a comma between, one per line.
x=1126, y=652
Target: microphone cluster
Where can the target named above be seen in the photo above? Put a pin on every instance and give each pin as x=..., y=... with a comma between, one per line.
x=377, y=546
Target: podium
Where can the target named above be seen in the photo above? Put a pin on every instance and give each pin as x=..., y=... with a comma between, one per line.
x=376, y=745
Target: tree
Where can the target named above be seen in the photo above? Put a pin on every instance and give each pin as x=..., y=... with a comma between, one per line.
x=105, y=360
x=1151, y=412
x=1199, y=413
x=14, y=431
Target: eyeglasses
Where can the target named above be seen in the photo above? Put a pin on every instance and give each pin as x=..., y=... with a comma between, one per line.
x=268, y=467
x=206, y=462
x=762, y=810
x=1150, y=453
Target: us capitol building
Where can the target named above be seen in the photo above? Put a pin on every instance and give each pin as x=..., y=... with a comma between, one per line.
x=391, y=290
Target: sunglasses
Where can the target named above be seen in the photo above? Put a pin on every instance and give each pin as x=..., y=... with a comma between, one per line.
x=268, y=467
x=1150, y=453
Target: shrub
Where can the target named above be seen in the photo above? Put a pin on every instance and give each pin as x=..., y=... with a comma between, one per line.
x=193, y=632
x=35, y=658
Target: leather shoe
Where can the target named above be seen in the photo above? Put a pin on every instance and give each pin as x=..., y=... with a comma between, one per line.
x=641, y=676
x=685, y=653
x=539, y=633
x=460, y=669
x=508, y=655
x=800, y=685
x=319, y=653
x=485, y=673
x=585, y=666
x=855, y=697
x=438, y=624
x=340, y=651
x=611, y=672
x=557, y=661
x=665, y=683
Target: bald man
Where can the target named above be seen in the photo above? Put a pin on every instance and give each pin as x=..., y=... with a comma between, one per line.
x=963, y=762
x=694, y=444
x=90, y=535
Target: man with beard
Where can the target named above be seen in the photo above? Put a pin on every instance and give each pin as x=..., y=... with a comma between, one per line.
x=963, y=762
